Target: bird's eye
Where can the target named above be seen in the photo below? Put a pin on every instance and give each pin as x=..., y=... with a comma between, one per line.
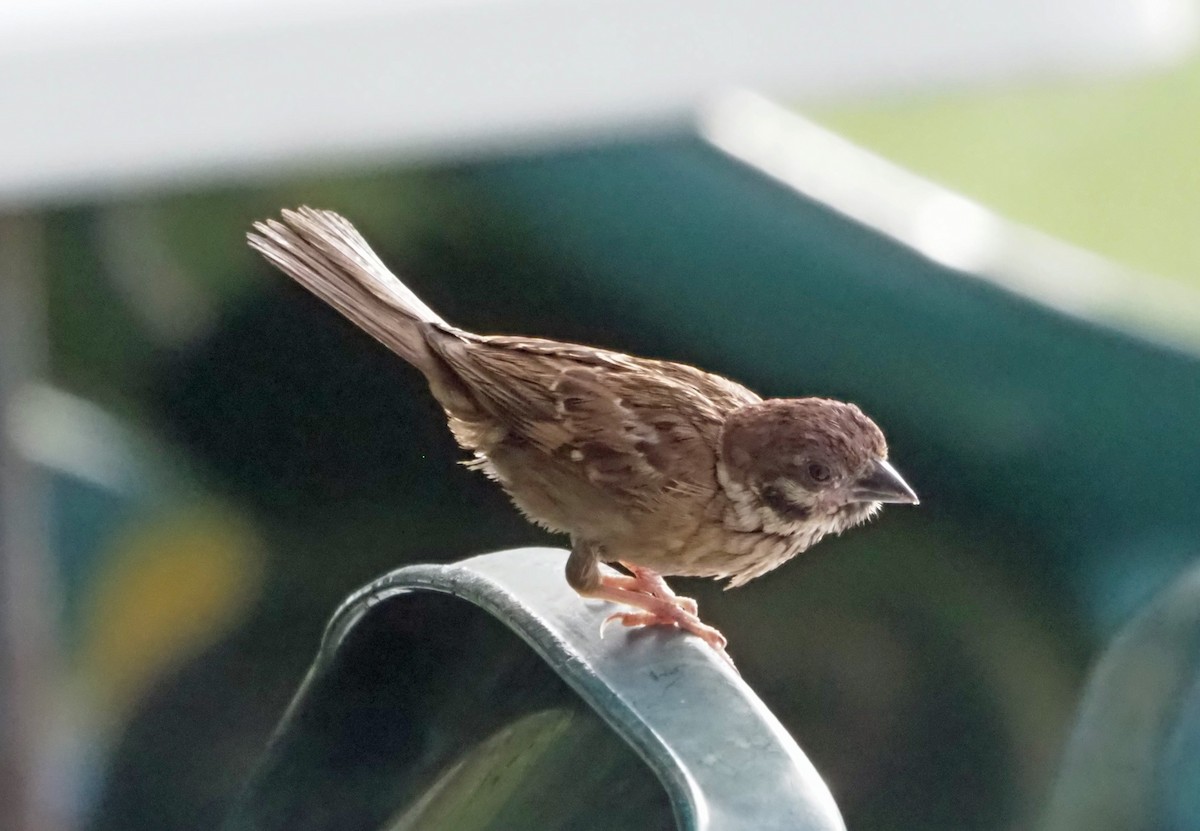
x=818, y=472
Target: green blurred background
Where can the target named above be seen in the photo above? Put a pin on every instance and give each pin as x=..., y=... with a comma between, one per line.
x=226, y=458
x=1109, y=166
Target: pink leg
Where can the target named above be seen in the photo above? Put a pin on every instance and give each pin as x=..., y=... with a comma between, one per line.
x=655, y=611
x=652, y=583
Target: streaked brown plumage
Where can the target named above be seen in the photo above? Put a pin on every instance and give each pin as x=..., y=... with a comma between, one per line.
x=658, y=466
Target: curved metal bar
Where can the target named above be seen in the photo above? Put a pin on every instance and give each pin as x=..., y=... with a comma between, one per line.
x=725, y=760
x=1132, y=757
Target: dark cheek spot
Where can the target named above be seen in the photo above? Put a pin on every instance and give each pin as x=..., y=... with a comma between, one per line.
x=778, y=502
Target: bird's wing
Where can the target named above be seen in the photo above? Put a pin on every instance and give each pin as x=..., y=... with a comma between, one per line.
x=643, y=428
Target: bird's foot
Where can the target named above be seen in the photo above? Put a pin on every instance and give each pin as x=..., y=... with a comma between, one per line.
x=653, y=610
x=681, y=619
x=651, y=582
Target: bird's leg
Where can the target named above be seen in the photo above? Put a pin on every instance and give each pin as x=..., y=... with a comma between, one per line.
x=652, y=583
x=646, y=591
x=654, y=611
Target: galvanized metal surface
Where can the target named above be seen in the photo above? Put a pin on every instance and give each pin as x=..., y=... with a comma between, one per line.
x=1133, y=757
x=725, y=760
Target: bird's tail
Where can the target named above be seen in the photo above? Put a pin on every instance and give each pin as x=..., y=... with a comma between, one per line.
x=324, y=253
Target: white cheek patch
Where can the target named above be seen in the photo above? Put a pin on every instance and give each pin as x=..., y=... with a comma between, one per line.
x=748, y=512
x=794, y=493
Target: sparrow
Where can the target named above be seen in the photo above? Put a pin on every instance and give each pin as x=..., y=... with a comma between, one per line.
x=659, y=467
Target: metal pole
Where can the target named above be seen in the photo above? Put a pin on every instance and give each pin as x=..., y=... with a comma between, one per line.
x=27, y=643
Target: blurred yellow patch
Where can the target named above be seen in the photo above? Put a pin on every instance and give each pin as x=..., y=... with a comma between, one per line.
x=175, y=585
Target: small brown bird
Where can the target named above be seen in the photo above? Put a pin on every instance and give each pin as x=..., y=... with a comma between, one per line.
x=658, y=466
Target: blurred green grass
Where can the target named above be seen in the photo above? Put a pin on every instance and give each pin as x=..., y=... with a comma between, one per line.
x=1111, y=164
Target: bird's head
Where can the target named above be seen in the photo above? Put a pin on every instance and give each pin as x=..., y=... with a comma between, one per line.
x=794, y=462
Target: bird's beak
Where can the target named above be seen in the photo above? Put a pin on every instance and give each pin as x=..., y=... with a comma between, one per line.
x=883, y=484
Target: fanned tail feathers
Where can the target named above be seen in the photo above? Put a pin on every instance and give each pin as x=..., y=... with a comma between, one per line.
x=324, y=253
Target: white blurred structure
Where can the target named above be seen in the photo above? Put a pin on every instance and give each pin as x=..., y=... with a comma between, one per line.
x=945, y=226
x=97, y=96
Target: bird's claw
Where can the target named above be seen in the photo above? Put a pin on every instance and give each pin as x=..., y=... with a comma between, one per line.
x=630, y=619
x=687, y=622
x=651, y=583
x=654, y=604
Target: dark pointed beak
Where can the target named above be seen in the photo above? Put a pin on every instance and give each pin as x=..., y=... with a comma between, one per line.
x=884, y=484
